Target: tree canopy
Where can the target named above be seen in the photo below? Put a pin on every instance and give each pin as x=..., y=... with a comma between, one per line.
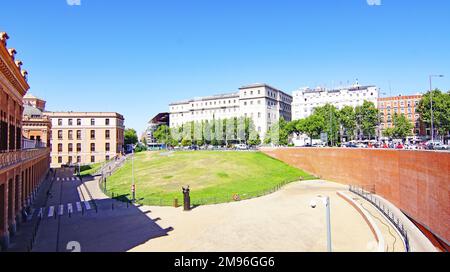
x=130, y=136
x=441, y=110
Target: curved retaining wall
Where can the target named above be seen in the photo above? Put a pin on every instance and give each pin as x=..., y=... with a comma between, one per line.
x=417, y=182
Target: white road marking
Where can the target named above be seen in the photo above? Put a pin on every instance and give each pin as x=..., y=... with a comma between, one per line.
x=61, y=209
x=79, y=206
x=70, y=208
x=57, y=178
x=73, y=178
x=51, y=211
x=41, y=212
x=87, y=205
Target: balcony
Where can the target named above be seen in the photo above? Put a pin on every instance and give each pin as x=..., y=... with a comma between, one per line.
x=15, y=157
x=30, y=149
x=32, y=144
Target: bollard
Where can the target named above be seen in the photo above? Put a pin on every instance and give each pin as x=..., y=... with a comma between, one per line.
x=112, y=206
x=175, y=202
x=186, y=199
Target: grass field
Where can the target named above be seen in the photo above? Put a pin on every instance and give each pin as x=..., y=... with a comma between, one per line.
x=90, y=169
x=213, y=176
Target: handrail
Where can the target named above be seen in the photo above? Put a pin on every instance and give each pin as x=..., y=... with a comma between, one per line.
x=383, y=209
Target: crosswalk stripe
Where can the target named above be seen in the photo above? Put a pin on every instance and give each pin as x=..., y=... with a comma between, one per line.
x=88, y=206
x=79, y=206
x=73, y=178
x=51, y=211
x=41, y=212
x=61, y=209
x=70, y=208
x=57, y=178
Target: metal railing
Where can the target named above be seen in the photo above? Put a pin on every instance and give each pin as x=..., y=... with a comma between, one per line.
x=366, y=192
x=32, y=144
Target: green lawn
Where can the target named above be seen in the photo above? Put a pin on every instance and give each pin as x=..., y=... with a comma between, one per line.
x=87, y=170
x=213, y=176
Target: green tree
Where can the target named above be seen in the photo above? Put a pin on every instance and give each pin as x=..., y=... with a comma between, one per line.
x=312, y=126
x=130, y=136
x=347, y=120
x=186, y=142
x=278, y=133
x=292, y=127
x=441, y=110
x=389, y=132
x=163, y=135
x=401, y=129
x=329, y=114
x=366, y=119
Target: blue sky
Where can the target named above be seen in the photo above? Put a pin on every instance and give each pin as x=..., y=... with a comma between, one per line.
x=136, y=56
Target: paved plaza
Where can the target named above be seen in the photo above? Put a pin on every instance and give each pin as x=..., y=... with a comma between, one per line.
x=77, y=211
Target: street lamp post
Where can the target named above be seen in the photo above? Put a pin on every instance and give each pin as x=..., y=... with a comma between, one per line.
x=326, y=201
x=431, y=106
x=133, y=186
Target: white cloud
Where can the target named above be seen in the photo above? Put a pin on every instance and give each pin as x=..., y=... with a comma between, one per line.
x=374, y=2
x=73, y=2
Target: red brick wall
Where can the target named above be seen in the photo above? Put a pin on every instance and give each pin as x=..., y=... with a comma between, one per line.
x=417, y=182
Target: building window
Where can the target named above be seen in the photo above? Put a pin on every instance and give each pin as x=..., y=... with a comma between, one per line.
x=92, y=122
x=92, y=158
x=107, y=134
x=92, y=134
x=59, y=159
x=60, y=147
x=70, y=122
x=78, y=122
x=60, y=134
x=70, y=159
x=107, y=157
x=107, y=121
x=92, y=147
x=70, y=147
x=70, y=134
x=78, y=134
x=107, y=147
x=78, y=147
x=78, y=159
x=59, y=122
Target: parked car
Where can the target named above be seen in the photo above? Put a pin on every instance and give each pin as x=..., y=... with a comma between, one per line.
x=241, y=147
x=439, y=146
x=350, y=145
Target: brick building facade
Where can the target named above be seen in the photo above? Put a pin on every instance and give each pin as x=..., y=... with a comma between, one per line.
x=22, y=168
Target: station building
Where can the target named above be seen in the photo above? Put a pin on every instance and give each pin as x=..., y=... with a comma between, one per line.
x=23, y=165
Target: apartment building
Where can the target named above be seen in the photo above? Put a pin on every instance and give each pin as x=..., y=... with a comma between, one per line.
x=306, y=99
x=262, y=103
x=85, y=137
x=23, y=166
x=402, y=104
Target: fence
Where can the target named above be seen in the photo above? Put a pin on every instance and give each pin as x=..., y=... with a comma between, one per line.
x=366, y=192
